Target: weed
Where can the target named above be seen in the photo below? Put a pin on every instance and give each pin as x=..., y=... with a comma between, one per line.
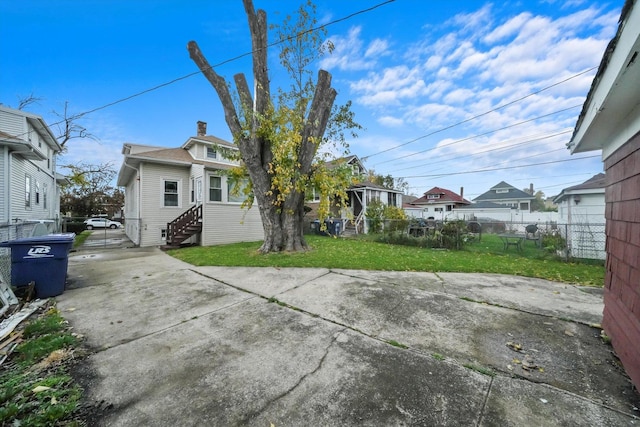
x=480, y=369
x=37, y=394
x=437, y=356
x=397, y=344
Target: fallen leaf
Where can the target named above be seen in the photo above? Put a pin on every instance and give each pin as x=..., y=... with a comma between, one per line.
x=569, y=333
x=40, y=388
x=544, y=401
x=54, y=400
x=71, y=309
x=514, y=346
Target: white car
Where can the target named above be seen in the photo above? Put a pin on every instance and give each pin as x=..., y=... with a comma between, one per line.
x=92, y=223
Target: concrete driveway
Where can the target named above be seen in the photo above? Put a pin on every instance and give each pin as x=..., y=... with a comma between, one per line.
x=173, y=344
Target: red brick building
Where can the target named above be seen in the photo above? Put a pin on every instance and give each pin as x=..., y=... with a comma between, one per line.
x=610, y=121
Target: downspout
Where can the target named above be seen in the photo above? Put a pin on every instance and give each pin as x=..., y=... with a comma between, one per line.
x=138, y=204
x=7, y=180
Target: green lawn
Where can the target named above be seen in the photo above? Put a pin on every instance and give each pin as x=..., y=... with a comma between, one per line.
x=486, y=256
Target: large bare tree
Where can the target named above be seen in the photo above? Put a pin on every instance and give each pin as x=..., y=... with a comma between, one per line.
x=278, y=141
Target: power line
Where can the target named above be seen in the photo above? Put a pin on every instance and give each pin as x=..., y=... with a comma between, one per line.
x=504, y=147
x=482, y=114
x=498, y=169
x=481, y=134
x=186, y=76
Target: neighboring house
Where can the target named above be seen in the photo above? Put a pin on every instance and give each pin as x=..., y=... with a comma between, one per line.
x=583, y=203
x=581, y=210
x=435, y=204
x=610, y=121
x=359, y=196
x=507, y=195
x=182, y=195
x=486, y=210
x=29, y=193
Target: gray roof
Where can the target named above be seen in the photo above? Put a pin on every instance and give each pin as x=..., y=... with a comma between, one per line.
x=512, y=194
x=596, y=182
x=484, y=205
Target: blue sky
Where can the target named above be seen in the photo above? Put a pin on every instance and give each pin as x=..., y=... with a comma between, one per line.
x=443, y=89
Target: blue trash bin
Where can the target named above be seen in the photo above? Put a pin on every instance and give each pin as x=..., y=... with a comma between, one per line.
x=43, y=260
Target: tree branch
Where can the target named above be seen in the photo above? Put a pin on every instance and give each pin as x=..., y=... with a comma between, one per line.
x=219, y=84
x=258, y=27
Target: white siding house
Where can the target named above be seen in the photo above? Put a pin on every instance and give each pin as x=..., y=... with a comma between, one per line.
x=359, y=196
x=582, y=209
x=164, y=187
x=29, y=190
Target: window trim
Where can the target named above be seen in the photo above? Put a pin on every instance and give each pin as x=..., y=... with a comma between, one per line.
x=213, y=150
x=177, y=193
x=27, y=191
x=209, y=188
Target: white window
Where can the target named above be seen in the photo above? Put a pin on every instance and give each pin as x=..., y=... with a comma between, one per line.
x=212, y=153
x=27, y=191
x=215, y=188
x=44, y=195
x=192, y=191
x=433, y=196
x=171, y=194
x=37, y=193
x=163, y=234
x=502, y=190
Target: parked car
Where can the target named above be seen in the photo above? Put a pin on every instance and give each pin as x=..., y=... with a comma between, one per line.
x=92, y=223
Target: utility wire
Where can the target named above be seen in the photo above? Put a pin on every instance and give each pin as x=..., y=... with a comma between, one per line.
x=503, y=148
x=498, y=169
x=235, y=58
x=482, y=114
x=481, y=134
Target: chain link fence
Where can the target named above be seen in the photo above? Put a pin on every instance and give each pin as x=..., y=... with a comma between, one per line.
x=566, y=240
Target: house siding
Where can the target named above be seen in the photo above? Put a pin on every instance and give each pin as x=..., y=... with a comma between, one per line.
x=155, y=216
x=228, y=223
x=13, y=124
x=4, y=181
x=622, y=281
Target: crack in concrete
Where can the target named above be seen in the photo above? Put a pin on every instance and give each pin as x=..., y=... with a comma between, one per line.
x=169, y=327
x=484, y=403
x=285, y=393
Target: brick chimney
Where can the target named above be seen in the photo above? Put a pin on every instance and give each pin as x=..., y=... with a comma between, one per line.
x=202, y=128
x=531, y=188
x=462, y=192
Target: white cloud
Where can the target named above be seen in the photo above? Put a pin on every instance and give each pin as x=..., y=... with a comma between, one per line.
x=377, y=48
x=507, y=29
x=351, y=55
x=391, y=121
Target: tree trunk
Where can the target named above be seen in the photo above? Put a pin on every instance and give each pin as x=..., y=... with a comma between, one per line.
x=283, y=223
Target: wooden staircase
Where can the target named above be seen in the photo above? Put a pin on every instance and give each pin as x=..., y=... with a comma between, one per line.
x=183, y=227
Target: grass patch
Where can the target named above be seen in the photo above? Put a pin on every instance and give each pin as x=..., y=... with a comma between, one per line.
x=437, y=356
x=80, y=238
x=397, y=344
x=480, y=369
x=362, y=253
x=35, y=387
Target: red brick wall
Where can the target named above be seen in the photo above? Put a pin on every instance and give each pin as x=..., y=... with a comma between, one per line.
x=622, y=282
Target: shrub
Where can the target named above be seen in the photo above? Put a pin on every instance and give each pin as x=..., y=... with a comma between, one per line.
x=374, y=215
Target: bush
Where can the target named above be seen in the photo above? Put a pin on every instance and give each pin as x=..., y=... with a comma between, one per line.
x=374, y=215
x=552, y=242
x=454, y=234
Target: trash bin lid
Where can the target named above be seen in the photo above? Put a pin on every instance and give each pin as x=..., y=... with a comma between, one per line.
x=49, y=238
